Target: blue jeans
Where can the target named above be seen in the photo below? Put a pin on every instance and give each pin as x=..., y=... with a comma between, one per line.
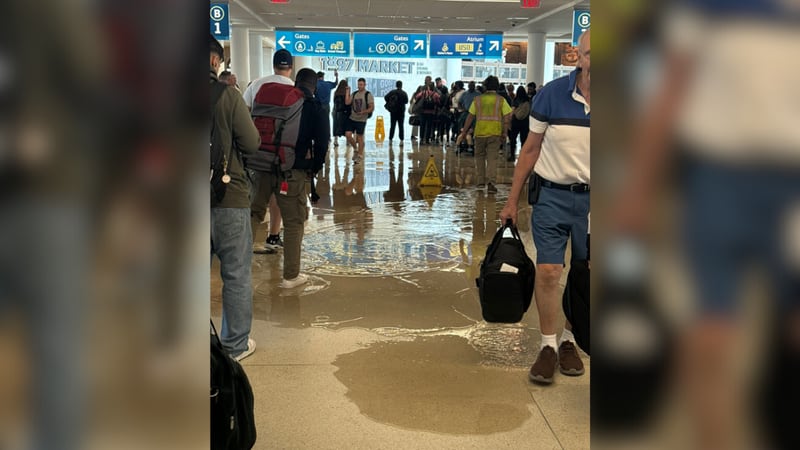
x=232, y=242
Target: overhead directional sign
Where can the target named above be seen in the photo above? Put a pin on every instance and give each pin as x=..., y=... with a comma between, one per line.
x=386, y=45
x=220, y=23
x=312, y=43
x=482, y=46
x=581, y=21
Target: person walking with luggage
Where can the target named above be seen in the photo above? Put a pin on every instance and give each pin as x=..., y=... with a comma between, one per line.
x=231, y=236
x=557, y=151
x=492, y=116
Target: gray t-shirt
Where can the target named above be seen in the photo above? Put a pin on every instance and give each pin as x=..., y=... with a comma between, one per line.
x=359, y=104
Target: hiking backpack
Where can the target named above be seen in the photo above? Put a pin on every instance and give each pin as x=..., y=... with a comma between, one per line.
x=219, y=162
x=507, y=273
x=233, y=424
x=276, y=112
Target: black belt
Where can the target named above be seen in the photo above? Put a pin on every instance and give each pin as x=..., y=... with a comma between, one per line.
x=574, y=187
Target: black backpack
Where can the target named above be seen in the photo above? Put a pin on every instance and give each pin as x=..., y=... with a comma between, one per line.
x=576, y=302
x=219, y=162
x=391, y=101
x=507, y=274
x=233, y=424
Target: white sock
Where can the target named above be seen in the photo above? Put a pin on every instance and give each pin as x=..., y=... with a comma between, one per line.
x=566, y=336
x=549, y=339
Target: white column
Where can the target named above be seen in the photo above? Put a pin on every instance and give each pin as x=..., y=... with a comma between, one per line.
x=266, y=64
x=256, y=55
x=240, y=54
x=453, y=71
x=536, y=50
x=301, y=62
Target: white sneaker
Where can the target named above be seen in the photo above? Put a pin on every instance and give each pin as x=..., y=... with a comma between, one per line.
x=251, y=347
x=294, y=282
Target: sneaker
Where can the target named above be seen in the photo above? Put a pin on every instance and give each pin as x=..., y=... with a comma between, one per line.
x=294, y=282
x=274, y=242
x=251, y=347
x=569, y=362
x=545, y=366
x=490, y=188
x=264, y=250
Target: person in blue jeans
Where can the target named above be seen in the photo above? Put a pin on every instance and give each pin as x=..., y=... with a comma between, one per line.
x=231, y=237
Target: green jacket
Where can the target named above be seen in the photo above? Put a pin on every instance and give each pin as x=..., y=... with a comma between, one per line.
x=236, y=128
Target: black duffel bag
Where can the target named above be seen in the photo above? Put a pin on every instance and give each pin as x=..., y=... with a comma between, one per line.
x=507, y=274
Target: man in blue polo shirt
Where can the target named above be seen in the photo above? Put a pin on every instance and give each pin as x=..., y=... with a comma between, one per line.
x=324, y=90
x=557, y=150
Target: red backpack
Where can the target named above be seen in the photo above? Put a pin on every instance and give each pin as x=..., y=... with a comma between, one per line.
x=276, y=113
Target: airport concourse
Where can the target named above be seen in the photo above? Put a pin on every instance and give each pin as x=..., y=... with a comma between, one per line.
x=380, y=341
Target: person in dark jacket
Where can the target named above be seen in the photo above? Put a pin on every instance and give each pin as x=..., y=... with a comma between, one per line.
x=341, y=111
x=399, y=99
x=231, y=236
x=519, y=126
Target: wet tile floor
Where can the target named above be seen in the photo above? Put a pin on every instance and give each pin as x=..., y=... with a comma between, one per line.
x=385, y=346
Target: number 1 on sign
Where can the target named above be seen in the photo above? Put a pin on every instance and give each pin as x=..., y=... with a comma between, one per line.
x=217, y=29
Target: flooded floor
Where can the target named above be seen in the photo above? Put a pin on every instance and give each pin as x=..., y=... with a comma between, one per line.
x=385, y=346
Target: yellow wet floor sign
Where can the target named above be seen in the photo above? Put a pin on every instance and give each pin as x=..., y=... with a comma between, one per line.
x=380, y=134
x=429, y=193
x=431, y=176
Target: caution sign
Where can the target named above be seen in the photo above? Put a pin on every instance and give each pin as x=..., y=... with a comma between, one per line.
x=380, y=134
x=429, y=193
x=431, y=176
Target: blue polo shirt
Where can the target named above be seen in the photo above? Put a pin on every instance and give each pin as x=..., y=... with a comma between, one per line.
x=561, y=113
x=324, y=91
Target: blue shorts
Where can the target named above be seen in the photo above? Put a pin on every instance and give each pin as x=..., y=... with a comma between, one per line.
x=557, y=216
x=733, y=220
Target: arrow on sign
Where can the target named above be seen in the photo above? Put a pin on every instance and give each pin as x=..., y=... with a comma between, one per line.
x=494, y=45
x=419, y=44
x=283, y=41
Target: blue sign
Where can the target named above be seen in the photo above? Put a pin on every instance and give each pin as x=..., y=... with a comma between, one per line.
x=312, y=43
x=383, y=45
x=482, y=46
x=581, y=20
x=220, y=23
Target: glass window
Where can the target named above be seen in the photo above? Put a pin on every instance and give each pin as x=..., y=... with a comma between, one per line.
x=467, y=71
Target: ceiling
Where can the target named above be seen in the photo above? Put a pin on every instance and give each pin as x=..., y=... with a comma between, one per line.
x=553, y=17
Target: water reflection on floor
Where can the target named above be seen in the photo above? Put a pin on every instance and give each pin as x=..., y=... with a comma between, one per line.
x=399, y=261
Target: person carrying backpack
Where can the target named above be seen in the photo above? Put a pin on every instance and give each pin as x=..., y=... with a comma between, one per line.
x=396, y=102
x=234, y=138
x=362, y=103
x=294, y=132
x=428, y=99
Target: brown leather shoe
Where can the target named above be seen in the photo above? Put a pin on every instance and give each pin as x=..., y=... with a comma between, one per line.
x=569, y=362
x=545, y=366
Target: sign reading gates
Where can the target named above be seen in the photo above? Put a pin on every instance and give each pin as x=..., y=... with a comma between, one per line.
x=220, y=24
x=384, y=45
x=581, y=21
x=312, y=43
x=482, y=46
